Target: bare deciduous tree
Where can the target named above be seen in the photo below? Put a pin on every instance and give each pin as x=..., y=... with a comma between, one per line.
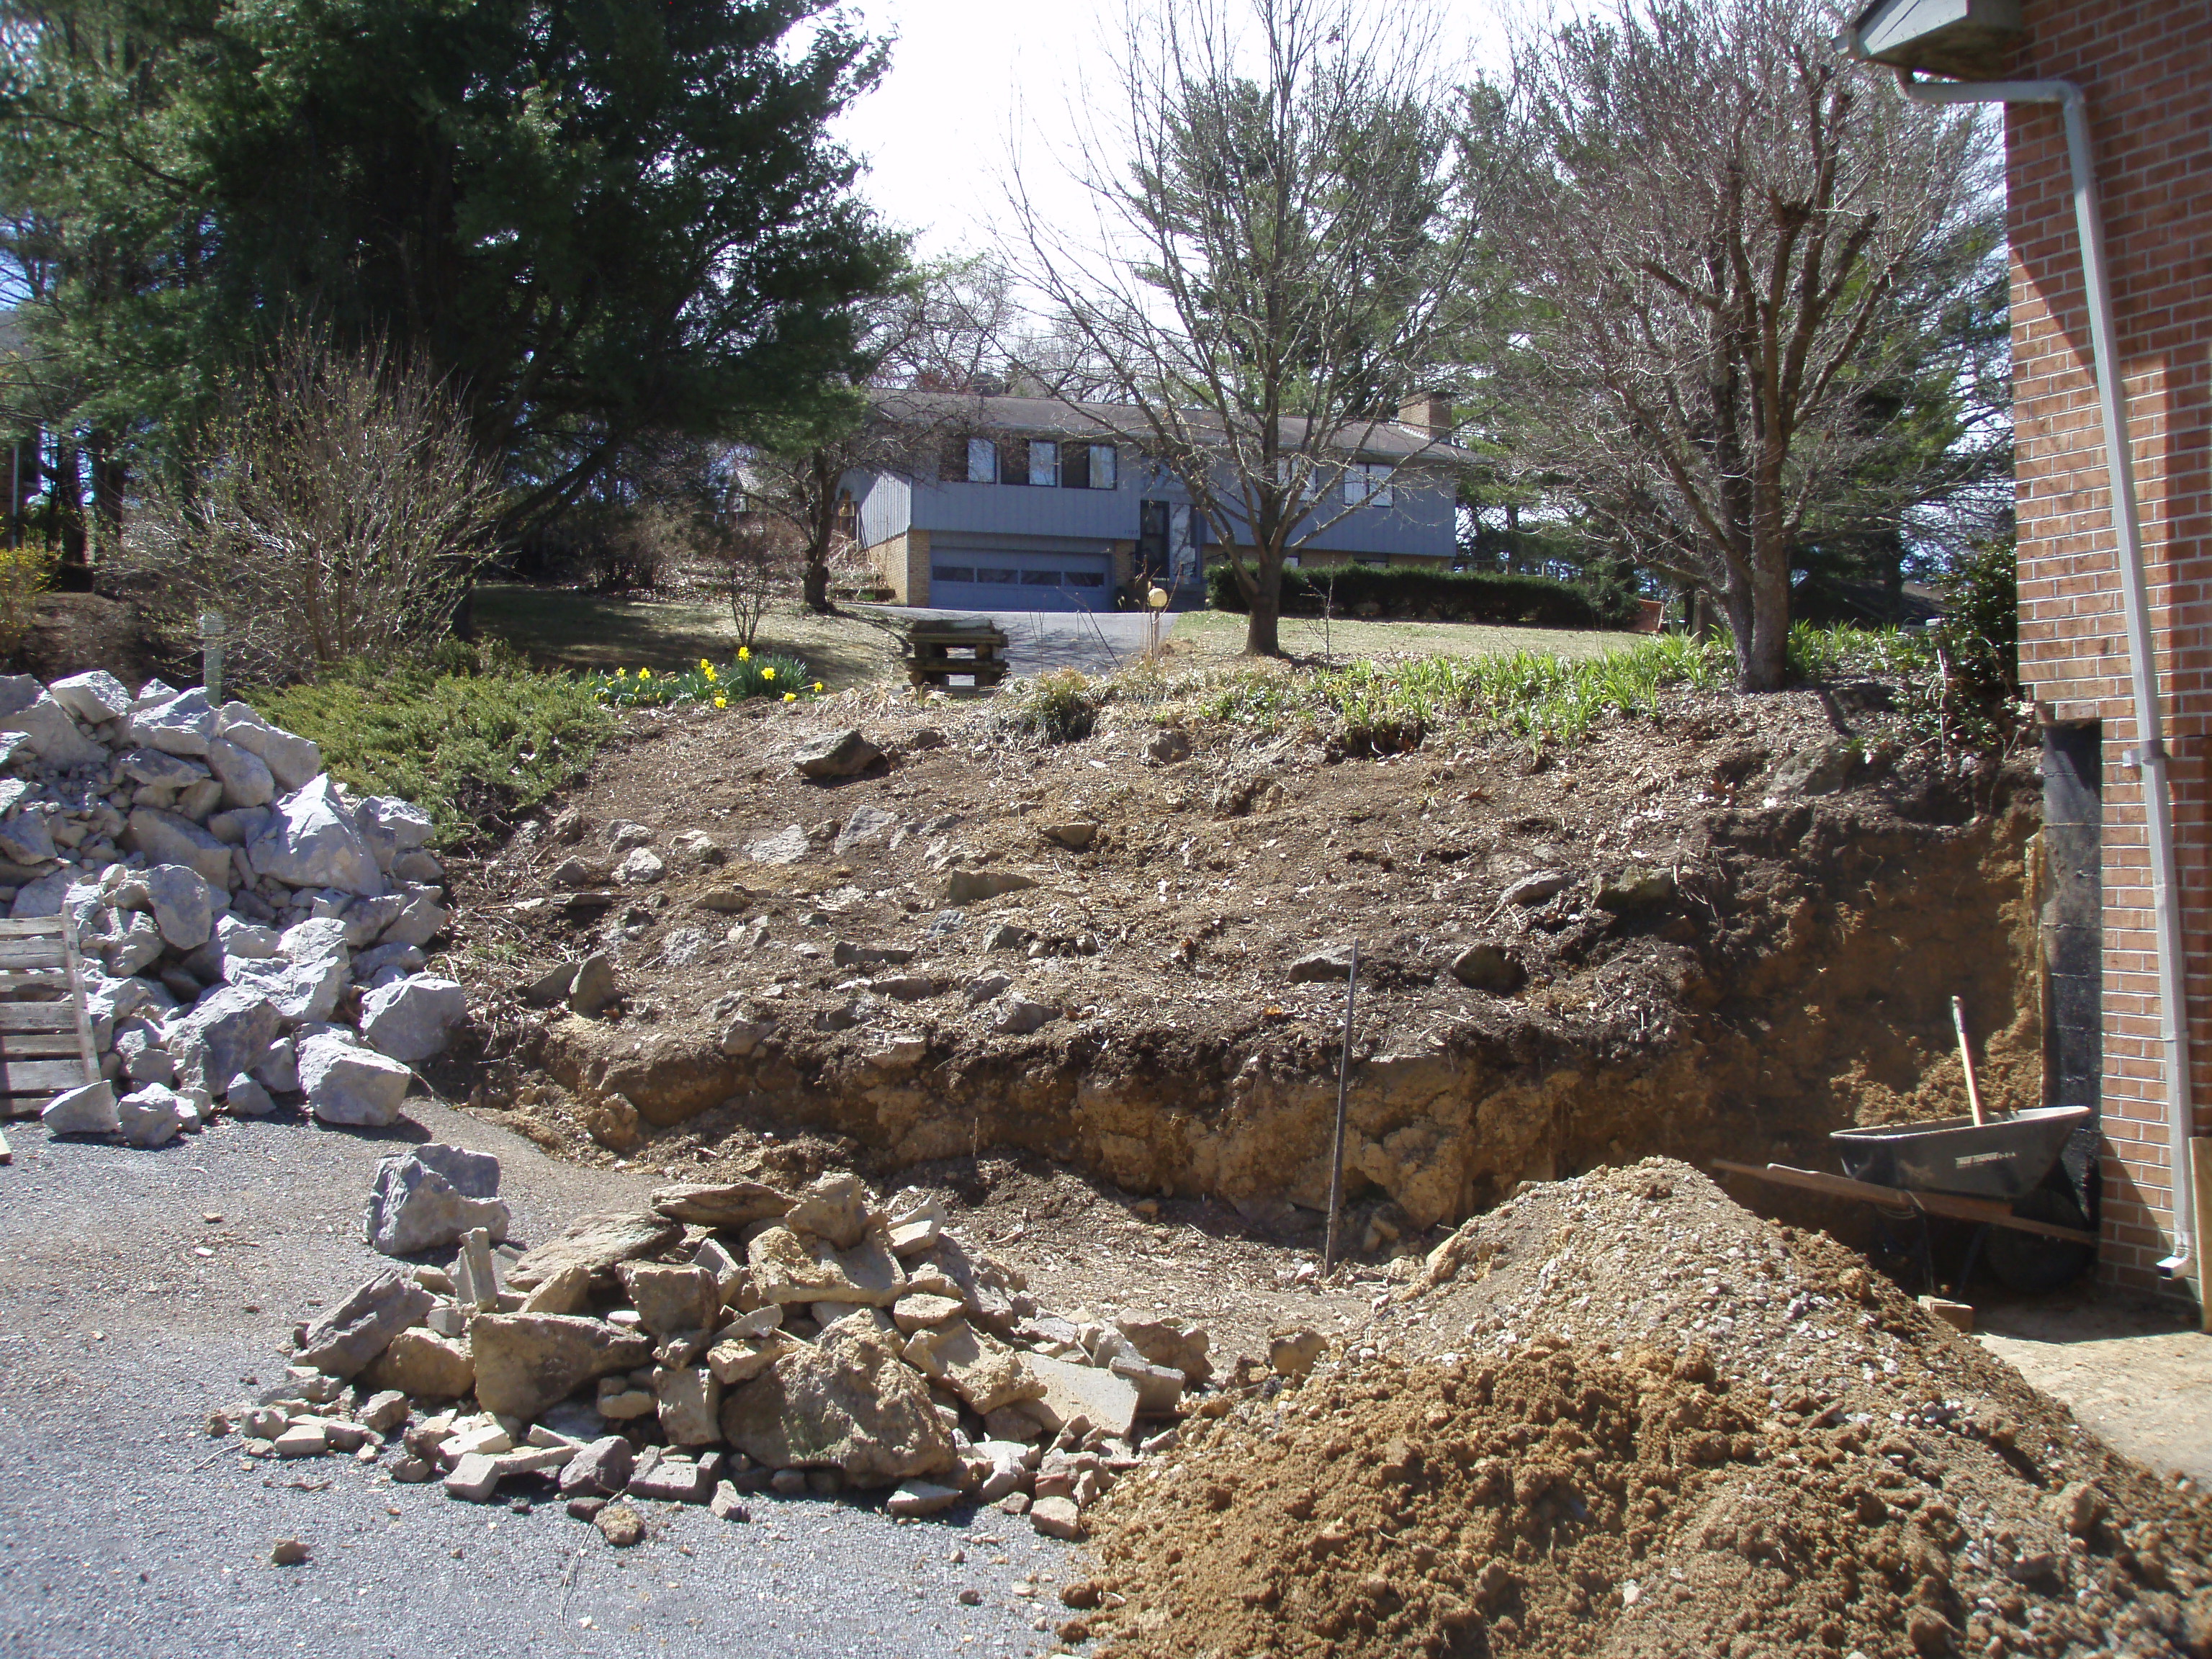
x=1283, y=252
x=332, y=508
x=942, y=330
x=1727, y=238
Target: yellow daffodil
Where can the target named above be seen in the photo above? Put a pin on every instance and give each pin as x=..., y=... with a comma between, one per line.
x=704, y=664
x=621, y=673
x=711, y=676
x=791, y=696
x=721, y=702
x=645, y=674
x=818, y=685
x=768, y=673
x=745, y=653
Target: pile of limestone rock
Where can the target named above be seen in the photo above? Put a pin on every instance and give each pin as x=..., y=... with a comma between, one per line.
x=732, y=1339
x=249, y=932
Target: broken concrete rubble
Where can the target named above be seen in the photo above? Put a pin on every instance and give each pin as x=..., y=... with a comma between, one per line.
x=679, y=1380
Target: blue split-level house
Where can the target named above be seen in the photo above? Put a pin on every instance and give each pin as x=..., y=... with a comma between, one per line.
x=1003, y=503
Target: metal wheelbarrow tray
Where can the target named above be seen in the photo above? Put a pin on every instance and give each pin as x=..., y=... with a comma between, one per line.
x=2005, y=1158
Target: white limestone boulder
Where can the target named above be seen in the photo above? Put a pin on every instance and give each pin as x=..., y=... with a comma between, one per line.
x=350, y=1085
x=292, y=760
x=311, y=842
x=412, y=1018
x=178, y=725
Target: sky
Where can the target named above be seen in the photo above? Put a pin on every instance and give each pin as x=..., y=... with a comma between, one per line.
x=970, y=79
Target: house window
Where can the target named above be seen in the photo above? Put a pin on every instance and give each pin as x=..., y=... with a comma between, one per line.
x=1367, y=482
x=1040, y=579
x=1291, y=561
x=952, y=573
x=1102, y=465
x=1044, y=463
x=982, y=461
x=989, y=573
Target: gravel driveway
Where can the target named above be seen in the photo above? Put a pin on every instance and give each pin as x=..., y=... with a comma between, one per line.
x=140, y=1289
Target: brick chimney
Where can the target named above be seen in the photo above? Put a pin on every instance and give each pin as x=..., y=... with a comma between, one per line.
x=1428, y=412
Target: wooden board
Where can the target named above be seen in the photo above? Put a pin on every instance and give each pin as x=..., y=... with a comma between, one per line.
x=41, y=1077
x=36, y=1017
x=1948, y=1204
x=32, y=927
x=31, y=953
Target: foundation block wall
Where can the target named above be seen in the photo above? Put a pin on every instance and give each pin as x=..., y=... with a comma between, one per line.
x=902, y=562
x=2146, y=66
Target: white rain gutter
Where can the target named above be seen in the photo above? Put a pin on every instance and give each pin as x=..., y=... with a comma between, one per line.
x=2149, y=757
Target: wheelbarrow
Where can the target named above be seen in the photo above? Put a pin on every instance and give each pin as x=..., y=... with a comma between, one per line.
x=2002, y=1174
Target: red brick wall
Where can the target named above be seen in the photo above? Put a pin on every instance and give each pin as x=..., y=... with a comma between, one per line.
x=2146, y=68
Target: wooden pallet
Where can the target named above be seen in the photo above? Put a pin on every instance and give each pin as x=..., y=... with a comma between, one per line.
x=46, y=1033
x=939, y=652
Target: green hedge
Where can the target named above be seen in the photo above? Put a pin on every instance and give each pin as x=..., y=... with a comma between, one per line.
x=1404, y=593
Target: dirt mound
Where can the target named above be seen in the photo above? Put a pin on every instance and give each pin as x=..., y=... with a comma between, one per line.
x=1706, y=1435
x=1711, y=960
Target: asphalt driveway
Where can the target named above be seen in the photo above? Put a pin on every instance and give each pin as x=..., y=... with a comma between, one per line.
x=141, y=1290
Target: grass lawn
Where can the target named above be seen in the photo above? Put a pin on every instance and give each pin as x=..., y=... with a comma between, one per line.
x=1221, y=634
x=562, y=628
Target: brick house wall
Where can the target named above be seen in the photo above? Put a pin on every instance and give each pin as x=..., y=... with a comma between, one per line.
x=2146, y=66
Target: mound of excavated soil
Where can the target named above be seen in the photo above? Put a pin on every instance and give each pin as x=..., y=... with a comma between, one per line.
x=1756, y=913
x=1707, y=1435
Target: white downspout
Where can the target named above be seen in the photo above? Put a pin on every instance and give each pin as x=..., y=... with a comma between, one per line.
x=2149, y=757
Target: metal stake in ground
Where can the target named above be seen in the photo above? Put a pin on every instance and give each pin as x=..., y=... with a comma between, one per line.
x=1336, y=1152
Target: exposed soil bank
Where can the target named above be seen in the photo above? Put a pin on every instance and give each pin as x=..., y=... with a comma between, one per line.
x=1789, y=971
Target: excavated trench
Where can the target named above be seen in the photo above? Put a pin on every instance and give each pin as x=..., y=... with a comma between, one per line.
x=1799, y=980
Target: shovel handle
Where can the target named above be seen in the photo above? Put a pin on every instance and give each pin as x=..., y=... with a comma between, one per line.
x=1966, y=1058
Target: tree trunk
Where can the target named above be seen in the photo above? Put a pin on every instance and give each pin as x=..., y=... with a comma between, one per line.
x=67, y=522
x=814, y=587
x=110, y=477
x=1763, y=652
x=1263, y=628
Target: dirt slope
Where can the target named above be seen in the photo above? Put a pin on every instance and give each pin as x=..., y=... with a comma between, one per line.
x=1789, y=971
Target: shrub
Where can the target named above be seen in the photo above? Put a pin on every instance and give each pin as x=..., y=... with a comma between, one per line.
x=476, y=736
x=25, y=572
x=1533, y=695
x=332, y=509
x=1058, y=706
x=1405, y=593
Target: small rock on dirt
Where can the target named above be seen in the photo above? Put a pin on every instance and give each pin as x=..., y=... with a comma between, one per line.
x=596, y=985
x=1292, y=1352
x=1633, y=888
x=974, y=886
x=1019, y=1017
x=835, y=755
x=1335, y=963
x=1484, y=966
